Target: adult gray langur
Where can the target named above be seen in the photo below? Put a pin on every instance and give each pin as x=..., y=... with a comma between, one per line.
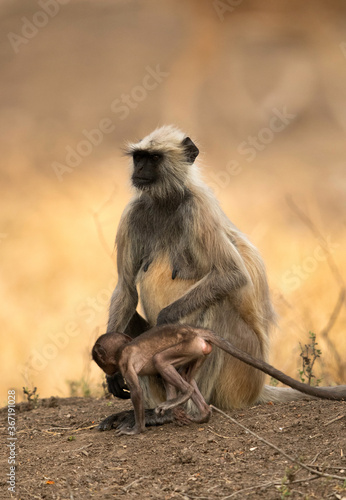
x=186, y=262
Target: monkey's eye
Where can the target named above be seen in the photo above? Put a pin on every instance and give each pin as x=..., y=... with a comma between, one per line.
x=156, y=157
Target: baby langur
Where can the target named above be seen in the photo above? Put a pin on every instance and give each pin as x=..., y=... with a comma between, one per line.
x=176, y=352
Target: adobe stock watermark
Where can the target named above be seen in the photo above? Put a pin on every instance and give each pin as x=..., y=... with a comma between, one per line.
x=31, y=27
x=12, y=439
x=293, y=278
x=223, y=7
x=121, y=107
x=86, y=312
x=74, y=155
x=251, y=147
x=151, y=80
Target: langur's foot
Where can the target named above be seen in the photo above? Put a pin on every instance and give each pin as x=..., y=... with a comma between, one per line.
x=202, y=417
x=126, y=419
x=128, y=431
x=181, y=417
x=115, y=420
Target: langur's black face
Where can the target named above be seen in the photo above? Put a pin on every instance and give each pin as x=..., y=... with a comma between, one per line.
x=150, y=165
x=146, y=168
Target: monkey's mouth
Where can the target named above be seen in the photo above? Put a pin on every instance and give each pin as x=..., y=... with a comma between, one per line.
x=141, y=181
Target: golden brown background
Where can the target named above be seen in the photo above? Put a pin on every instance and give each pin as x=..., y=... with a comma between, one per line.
x=223, y=70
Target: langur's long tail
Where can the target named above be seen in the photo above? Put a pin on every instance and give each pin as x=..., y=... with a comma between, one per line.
x=277, y=394
x=285, y=394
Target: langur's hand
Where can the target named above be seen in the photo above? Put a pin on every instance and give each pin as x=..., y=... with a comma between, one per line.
x=166, y=316
x=117, y=386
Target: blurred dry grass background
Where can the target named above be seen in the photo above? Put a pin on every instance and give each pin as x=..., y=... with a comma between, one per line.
x=224, y=75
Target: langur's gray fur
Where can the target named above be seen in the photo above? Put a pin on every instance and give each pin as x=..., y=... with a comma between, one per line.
x=180, y=254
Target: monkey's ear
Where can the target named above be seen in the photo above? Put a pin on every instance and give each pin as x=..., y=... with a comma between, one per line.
x=98, y=354
x=191, y=150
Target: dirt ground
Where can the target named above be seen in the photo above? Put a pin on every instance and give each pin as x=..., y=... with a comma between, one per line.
x=61, y=455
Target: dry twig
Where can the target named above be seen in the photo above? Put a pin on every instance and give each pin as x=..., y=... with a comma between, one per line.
x=219, y=435
x=126, y=488
x=335, y=419
x=337, y=276
x=268, y=485
x=50, y=429
x=291, y=459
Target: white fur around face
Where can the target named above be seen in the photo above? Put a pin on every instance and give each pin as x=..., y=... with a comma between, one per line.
x=166, y=138
x=175, y=169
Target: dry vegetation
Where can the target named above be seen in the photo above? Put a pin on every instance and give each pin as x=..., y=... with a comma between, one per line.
x=224, y=81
